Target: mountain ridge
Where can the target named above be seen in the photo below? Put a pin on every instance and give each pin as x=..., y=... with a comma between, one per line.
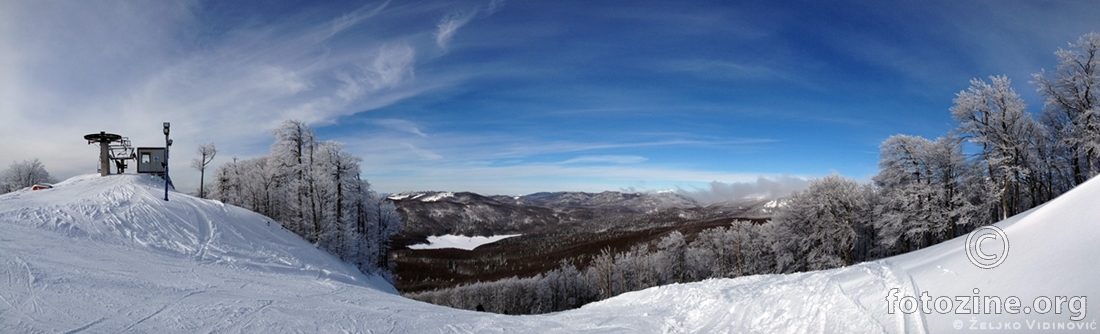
x=433, y=213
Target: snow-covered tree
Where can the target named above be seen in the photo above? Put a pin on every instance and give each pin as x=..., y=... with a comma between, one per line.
x=1072, y=95
x=206, y=155
x=994, y=117
x=674, y=253
x=828, y=225
x=927, y=190
x=388, y=223
x=290, y=157
x=24, y=174
x=315, y=190
x=751, y=248
x=718, y=243
x=602, y=273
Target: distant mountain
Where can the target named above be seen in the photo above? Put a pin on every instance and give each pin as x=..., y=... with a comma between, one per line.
x=629, y=202
x=553, y=227
x=437, y=213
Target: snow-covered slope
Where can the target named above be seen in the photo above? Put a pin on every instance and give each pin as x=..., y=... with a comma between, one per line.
x=107, y=254
x=460, y=241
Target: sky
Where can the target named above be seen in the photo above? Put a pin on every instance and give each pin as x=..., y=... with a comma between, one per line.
x=516, y=97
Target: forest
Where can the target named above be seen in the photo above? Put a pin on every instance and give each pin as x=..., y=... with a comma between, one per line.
x=999, y=161
x=314, y=189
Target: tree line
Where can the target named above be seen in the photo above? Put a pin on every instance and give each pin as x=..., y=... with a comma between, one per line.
x=24, y=174
x=737, y=250
x=998, y=162
x=314, y=189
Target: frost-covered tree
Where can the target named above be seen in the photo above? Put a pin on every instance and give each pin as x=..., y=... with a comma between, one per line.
x=206, y=155
x=828, y=225
x=752, y=248
x=994, y=117
x=717, y=244
x=905, y=180
x=674, y=252
x=602, y=273
x=387, y=224
x=315, y=190
x=291, y=157
x=24, y=174
x=1053, y=161
x=1072, y=95
x=928, y=193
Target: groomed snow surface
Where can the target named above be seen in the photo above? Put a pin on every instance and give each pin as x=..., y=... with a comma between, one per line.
x=108, y=255
x=459, y=241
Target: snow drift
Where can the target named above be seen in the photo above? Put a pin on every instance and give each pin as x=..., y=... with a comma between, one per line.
x=108, y=254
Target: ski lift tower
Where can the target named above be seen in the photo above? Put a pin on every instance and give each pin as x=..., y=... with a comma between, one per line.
x=111, y=147
x=104, y=140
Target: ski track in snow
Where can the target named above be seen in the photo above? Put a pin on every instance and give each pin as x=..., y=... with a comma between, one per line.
x=110, y=255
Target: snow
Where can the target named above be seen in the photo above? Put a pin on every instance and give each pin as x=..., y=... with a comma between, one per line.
x=437, y=197
x=423, y=197
x=399, y=197
x=460, y=241
x=108, y=254
x=775, y=204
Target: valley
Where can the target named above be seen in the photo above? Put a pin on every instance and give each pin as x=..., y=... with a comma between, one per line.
x=569, y=227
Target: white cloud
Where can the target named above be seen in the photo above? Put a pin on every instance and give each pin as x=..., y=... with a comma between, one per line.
x=400, y=125
x=392, y=66
x=355, y=17
x=420, y=153
x=448, y=26
x=762, y=187
x=489, y=178
x=69, y=69
x=513, y=164
x=606, y=159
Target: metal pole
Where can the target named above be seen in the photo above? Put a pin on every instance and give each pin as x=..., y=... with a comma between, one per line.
x=104, y=157
x=167, y=143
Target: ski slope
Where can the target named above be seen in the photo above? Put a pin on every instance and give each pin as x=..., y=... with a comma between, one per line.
x=108, y=254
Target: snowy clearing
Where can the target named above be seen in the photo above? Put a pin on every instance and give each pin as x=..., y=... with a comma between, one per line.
x=459, y=241
x=108, y=254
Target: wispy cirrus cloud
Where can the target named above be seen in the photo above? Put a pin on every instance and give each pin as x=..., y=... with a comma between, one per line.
x=605, y=159
x=355, y=17
x=448, y=26
x=392, y=66
x=127, y=67
x=401, y=159
x=723, y=68
x=401, y=125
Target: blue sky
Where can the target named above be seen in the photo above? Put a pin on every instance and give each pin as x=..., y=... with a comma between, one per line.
x=513, y=97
